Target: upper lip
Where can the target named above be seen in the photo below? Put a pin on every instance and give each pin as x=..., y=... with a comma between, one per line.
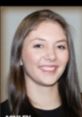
x=48, y=65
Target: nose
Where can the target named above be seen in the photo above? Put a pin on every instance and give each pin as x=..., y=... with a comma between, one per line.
x=50, y=54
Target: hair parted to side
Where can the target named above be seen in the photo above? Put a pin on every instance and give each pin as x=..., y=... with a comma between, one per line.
x=68, y=83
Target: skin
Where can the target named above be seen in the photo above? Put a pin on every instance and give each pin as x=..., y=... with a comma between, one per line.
x=44, y=58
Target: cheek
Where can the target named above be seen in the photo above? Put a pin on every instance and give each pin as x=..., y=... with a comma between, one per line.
x=30, y=58
x=64, y=57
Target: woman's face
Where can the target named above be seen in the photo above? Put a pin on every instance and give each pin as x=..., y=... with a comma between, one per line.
x=45, y=54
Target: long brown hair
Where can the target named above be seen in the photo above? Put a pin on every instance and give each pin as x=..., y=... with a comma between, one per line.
x=68, y=83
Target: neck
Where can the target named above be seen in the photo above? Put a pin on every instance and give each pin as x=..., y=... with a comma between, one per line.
x=43, y=97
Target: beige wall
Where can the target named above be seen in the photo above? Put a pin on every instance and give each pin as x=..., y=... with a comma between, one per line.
x=11, y=17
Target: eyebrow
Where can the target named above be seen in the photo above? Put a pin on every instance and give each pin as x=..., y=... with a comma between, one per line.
x=63, y=40
x=42, y=39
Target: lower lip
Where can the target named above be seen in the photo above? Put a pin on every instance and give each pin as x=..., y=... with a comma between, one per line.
x=48, y=69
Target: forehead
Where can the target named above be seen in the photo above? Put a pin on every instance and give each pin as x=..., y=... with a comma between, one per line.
x=47, y=30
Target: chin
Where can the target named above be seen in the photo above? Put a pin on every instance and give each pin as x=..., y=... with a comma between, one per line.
x=48, y=83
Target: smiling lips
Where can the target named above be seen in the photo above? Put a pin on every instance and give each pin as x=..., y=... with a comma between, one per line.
x=48, y=68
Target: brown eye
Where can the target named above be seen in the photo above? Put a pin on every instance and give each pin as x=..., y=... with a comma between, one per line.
x=61, y=47
x=38, y=46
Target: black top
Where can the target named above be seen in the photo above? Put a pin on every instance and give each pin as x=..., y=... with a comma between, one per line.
x=58, y=112
x=30, y=111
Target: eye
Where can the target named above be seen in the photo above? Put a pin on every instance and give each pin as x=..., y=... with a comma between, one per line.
x=62, y=47
x=38, y=46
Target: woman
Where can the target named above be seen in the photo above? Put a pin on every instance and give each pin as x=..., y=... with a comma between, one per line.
x=43, y=76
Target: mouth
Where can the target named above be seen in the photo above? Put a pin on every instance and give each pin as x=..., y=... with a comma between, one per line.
x=48, y=68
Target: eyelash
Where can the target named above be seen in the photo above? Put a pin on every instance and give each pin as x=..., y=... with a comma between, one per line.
x=38, y=46
x=61, y=47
